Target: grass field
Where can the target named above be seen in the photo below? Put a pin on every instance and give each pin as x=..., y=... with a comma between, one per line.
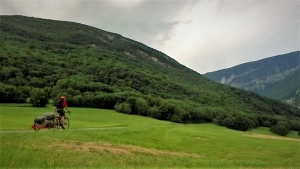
x=106, y=139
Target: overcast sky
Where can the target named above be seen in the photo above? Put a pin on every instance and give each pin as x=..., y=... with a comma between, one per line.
x=204, y=35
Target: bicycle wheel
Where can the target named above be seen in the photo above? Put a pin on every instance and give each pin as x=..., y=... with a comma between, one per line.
x=36, y=126
x=50, y=125
x=56, y=124
x=67, y=123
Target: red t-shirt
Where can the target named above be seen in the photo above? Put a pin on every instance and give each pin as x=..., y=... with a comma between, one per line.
x=64, y=104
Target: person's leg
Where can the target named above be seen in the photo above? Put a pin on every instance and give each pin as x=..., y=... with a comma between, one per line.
x=62, y=118
x=62, y=121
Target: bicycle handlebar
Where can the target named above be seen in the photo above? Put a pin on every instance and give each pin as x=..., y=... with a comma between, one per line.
x=63, y=110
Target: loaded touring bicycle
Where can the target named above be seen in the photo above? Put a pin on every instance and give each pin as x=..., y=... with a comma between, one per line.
x=50, y=121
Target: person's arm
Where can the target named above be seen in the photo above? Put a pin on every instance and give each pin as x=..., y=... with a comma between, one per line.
x=67, y=108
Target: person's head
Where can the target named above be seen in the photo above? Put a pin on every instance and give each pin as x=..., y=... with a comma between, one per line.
x=63, y=97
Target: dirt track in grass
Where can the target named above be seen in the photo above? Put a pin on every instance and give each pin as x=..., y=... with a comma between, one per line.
x=116, y=149
x=273, y=137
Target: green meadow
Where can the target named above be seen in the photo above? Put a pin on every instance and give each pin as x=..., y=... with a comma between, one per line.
x=100, y=138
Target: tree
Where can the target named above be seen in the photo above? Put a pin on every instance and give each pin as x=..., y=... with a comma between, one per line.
x=280, y=129
x=10, y=94
x=167, y=110
x=180, y=116
x=37, y=82
x=243, y=123
x=141, y=106
x=38, y=97
x=123, y=108
x=154, y=112
x=240, y=122
x=25, y=90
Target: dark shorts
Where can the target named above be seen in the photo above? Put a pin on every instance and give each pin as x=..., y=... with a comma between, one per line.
x=61, y=112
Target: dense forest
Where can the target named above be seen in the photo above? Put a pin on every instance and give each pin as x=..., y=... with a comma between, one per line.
x=44, y=59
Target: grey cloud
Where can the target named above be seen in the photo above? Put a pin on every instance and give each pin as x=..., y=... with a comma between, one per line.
x=143, y=22
x=166, y=29
x=188, y=22
x=7, y=8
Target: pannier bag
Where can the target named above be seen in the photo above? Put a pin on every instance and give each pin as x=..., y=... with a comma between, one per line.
x=49, y=116
x=48, y=123
x=40, y=120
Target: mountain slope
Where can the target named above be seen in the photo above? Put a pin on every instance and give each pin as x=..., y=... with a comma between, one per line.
x=275, y=77
x=96, y=68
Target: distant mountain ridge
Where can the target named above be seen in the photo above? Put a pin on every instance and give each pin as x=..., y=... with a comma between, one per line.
x=275, y=77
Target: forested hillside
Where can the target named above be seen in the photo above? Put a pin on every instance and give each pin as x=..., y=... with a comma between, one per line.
x=42, y=59
x=277, y=77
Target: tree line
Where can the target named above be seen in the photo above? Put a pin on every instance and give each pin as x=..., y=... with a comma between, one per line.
x=146, y=105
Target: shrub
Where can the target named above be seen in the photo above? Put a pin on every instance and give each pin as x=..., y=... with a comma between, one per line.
x=254, y=120
x=180, y=116
x=38, y=97
x=210, y=114
x=76, y=101
x=294, y=125
x=280, y=129
x=166, y=110
x=87, y=99
x=240, y=122
x=10, y=94
x=154, y=112
x=285, y=124
x=244, y=123
x=220, y=118
x=267, y=120
x=141, y=106
x=228, y=122
x=131, y=101
x=152, y=101
x=196, y=116
x=267, y=124
x=105, y=101
x=25, y=90
x=123, y=108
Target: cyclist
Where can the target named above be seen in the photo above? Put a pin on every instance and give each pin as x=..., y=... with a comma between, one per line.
x=60, y=105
